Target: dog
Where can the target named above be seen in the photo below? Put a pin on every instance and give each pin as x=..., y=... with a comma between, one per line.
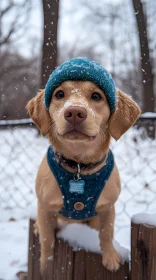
x=79, y=115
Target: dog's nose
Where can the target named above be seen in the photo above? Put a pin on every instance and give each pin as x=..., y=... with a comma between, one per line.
x=75, y=114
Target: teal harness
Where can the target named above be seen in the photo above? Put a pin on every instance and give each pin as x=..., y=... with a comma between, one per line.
x=80, y=196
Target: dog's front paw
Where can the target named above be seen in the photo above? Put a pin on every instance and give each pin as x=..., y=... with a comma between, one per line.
x=111, y=259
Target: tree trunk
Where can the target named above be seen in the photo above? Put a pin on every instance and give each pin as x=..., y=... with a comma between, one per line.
x=146, y=63
x=49, y=57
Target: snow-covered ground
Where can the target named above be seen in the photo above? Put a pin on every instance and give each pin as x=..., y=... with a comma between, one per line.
x=21, y=151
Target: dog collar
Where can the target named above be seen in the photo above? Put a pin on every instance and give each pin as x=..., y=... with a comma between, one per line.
x=77, y=165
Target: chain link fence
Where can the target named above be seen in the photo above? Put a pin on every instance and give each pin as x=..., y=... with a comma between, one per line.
x=22, y=149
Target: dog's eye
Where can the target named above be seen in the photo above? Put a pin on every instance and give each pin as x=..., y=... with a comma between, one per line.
x=96, y=96
x=59, y=94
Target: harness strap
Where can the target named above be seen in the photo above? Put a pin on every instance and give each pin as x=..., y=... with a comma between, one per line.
x=80, y=198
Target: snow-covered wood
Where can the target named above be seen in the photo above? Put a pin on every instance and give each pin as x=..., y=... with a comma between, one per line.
x=143, y=248
x=86, y=238
x=82, y=265
x=69, y=265
x=16, y=122
x=144, y=218
x=147, y=115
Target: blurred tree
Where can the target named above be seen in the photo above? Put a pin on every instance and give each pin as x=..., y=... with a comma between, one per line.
x=19, y=13
x=109, y=28
x=109, y=42
x=19, y=76
x=146, y=60
x=49, y=53
x=67, y=52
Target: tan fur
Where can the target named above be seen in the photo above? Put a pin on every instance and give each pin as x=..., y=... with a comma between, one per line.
x=125, y=115
x=38, y=113
x=85, y=149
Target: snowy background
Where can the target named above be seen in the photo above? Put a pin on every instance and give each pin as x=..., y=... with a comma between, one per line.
x=105, y=31
x=21, y=151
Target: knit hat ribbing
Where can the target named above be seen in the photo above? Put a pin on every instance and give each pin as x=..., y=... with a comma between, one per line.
x=81, y=69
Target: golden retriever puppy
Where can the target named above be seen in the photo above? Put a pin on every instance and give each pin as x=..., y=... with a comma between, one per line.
x=78, y=181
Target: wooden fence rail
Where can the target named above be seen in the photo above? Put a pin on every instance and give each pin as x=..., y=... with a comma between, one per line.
x=81, y=265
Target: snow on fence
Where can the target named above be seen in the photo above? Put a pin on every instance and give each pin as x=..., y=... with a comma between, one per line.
x=22, y=149
x=84, y=265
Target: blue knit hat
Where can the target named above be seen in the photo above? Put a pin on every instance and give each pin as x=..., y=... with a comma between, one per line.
x=81, y=69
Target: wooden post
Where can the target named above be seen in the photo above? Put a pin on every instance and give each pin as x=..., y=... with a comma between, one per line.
x=69, y=265
x=143, y=252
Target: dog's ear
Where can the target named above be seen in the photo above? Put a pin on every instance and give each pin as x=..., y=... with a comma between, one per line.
x=38, y=113
x=124, y=116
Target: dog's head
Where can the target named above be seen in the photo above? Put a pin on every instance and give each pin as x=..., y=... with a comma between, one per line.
x=79, y=119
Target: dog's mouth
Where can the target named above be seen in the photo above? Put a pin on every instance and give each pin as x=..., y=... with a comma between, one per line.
x=76, y=134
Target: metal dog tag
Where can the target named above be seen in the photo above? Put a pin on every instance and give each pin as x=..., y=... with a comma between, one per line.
x=76, y=186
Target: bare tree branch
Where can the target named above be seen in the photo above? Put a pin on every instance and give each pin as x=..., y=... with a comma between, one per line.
x=16, y=25
x=3, y=12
